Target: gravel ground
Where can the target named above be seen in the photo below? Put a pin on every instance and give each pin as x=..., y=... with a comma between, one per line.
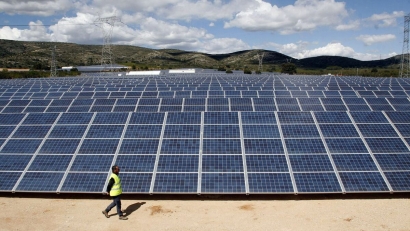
x=154, y=213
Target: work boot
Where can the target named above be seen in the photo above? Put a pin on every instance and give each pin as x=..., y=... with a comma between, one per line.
x=123, y=218
x=105, y=214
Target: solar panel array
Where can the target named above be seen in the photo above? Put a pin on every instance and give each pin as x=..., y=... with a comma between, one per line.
x=207, y=133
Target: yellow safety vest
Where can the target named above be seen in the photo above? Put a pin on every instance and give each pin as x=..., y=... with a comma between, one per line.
x=116, y=188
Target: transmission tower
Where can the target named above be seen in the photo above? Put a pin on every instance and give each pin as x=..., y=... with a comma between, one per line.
x=260, y=58
x=107, y=26
x=53, y=66
x=405, y=57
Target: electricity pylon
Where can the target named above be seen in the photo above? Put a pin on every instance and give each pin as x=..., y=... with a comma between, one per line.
x=405, y=57
x=53, y=65
x=107, y=25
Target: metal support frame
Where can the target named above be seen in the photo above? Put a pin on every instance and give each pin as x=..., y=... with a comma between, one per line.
x=201, y=146
x=260, y=59
x=342, y=187
x=245, y=168
x=405, y=57
x=154, y=173
x=285, y=150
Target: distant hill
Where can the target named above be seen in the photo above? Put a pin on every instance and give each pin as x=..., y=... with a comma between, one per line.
x=36, y=55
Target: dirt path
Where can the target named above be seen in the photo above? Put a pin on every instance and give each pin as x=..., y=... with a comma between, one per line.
x=85, y=214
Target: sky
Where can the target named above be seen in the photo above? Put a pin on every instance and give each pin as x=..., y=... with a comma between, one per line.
x=360, y=29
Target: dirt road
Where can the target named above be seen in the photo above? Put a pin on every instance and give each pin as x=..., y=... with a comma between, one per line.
x=152, y=214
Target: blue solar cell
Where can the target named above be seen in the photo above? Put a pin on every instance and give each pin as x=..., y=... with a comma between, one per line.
x=71, y=131
x=221, y=118
x=136, y=163
x=5, y=131
x=393, y=162
x=399, y=117
x=31, y=132
x=195, y=102
x=266, y=163
x=270, y=183
x=300, y=131
x=13, y=110
x=354, y=162
x=147, y=118
x=50, y=163
x=176, y=183
x=84, y=182
x=105, y=131
x=79, y=109
x=317, y=182
x=83, y=102
x=217, y=108
x=184, y=118
x=363, y=182
x=136, y=183
x=381, y=108
x=287, y=101
x=332, y=107
x=223, y=183
x=338, y=130
x=99, y=146
x=350, y=145
x=226, y=163
x=170, y=108
x=377, y=130
x=221, y=131
x=260, y=131
x=399, y=181
x=217, y=101
x=133, y=146
x=180, y=146
x=59, y=146
x=56, y=109
x=263, y=101
x=263, y=146
x=295, y=117
x=222, y=146
x=303, y=101
x=143, y=131
x=399, y=101
x=241, y=108
x=40, y=181
x=331, y=101
x=284, y=108
x=240, y=101
x=369, y=117
x=8, y=180
x=14, y=162
x=104, y=102
x=176, y=163
x=39, y=103
x=258, y=118
x=194, y=108
x=310, y=163
x=19, y=103
x=182, y=131
x=60, y=102
x=149, y=102
x=34, y=109
x=41, y=118
x=15, y=146
x=355, y=101
x=305, y=146
x=92, y=163
x=387, y=145
x=110, y=118
x=101, y=108
x=380, y=101
x=124, y=109
x=332, y=117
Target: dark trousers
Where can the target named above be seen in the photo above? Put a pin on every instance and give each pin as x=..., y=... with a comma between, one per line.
x=116, y=201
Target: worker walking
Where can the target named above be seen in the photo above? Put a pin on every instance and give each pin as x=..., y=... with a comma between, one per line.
x=114, y=189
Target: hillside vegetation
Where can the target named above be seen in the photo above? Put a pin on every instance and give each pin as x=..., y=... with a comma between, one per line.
x=36, y=56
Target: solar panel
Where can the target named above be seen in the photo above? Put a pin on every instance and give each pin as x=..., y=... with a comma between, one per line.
x=208, y=133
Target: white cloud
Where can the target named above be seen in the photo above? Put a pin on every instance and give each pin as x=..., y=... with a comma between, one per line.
x=386, y=19
x=304, y=15
x=152, y=33
x=33, y=7
x=36, y=32
x=371, y=39
x=350, y=26
x=211, y=24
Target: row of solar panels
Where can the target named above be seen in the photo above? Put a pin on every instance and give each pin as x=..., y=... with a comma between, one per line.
x=207, y=174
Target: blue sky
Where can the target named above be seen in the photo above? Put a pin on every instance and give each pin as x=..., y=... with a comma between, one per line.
x=361, y=29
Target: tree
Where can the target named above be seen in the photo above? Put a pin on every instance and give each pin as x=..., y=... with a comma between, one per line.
x=134, y=67
x=247, y=71
x=258, y=72
x=229, y=72
x=289, y=68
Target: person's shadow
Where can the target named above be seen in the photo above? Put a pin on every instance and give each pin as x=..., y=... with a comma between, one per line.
x=130, y=209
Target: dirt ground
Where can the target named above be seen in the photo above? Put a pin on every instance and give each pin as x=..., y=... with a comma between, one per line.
x=156, y=213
